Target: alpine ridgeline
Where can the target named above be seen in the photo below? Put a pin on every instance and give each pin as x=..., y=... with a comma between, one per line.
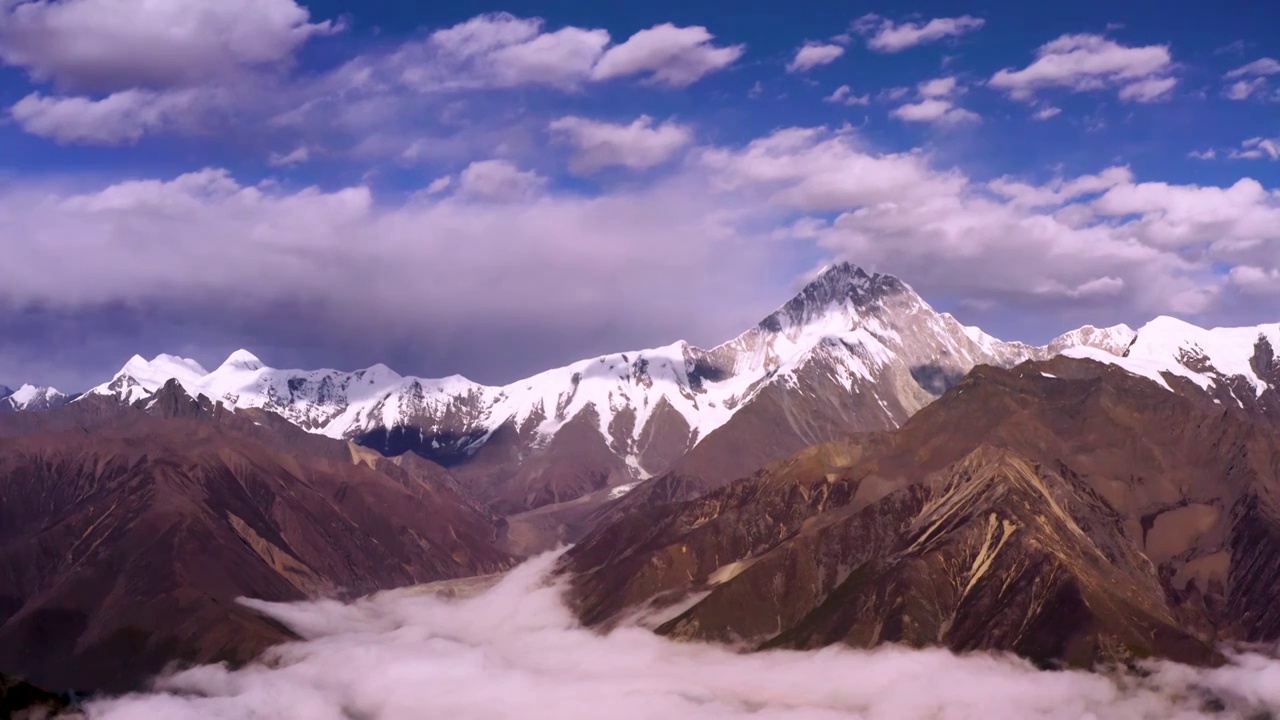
x=852, y=351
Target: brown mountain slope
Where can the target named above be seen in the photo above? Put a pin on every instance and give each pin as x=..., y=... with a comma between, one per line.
x=127, y=535
x=1065, y=510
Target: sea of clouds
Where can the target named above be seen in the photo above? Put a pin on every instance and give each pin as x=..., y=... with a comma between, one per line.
x=515, y=651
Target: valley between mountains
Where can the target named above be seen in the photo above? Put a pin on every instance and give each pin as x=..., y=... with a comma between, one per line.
x=856, y=469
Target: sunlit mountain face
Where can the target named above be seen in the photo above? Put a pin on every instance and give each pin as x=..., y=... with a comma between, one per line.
x=386, y=360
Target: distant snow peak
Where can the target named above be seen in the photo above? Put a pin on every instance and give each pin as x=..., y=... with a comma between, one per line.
x=242, y=360
x=1228, y=361
x=380, y=374
x=1115, y=339
x=140, y=377
x=32, y=397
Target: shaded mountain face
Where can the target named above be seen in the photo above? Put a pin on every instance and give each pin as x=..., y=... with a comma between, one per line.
x=852, y=351
x=128, y=532
x=1067, y=511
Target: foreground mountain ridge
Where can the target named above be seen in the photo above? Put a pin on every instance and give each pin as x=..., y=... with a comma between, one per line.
x=1065, y=510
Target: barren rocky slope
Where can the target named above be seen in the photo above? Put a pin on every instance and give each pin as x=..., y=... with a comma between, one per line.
x=1068, y=511
x=129, y=532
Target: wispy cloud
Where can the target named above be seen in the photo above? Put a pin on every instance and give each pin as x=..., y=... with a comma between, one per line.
x=1082, y=63
x=1252, y=80
x=1257, y=148
x=811, y=55
x=1260, y=67
x=884, y=35
x=844, y=95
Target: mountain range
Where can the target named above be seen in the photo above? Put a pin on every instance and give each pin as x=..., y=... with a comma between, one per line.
x=858, y=467
x=864, y=349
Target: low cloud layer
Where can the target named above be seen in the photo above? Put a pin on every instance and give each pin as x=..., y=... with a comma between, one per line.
x=515, y=651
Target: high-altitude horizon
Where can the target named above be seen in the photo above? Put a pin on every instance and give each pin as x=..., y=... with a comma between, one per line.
x=429, y=186
x=826, y=282
x=796, y=360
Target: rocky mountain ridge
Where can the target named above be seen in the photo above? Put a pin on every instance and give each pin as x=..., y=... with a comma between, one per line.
x=1069, y=511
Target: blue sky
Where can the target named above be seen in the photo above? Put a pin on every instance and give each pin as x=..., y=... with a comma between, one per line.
x=490, y=190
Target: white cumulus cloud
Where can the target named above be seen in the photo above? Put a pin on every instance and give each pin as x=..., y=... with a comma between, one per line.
x=1011, y=238
x=667, y=55
x=934, y=110
x=936, y=104
x=638, y=145
x=1085, y=62
x=119, y=118
x=112, y=45
x=499, y=181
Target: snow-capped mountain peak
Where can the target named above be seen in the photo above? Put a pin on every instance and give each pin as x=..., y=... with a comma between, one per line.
x=839, y=285
x=241, y=360
x=1115, y=339
x=32, y=397
x=140, y=377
